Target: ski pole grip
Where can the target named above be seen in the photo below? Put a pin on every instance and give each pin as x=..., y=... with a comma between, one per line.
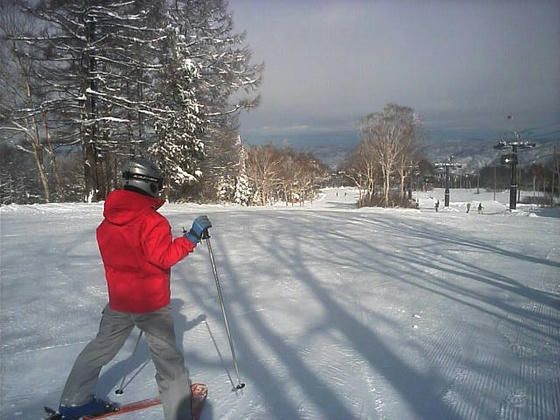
x=205, y=234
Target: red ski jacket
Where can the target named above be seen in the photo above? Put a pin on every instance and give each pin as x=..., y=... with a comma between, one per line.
x=138, y=251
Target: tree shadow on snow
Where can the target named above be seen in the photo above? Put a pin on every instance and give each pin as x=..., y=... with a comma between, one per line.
x=421, y=390
x=437, y=270
x=451, y=263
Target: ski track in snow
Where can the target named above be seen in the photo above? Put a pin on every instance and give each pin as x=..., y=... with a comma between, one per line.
x=336, y=312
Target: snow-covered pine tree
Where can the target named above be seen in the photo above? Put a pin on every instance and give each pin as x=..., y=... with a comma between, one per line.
x=103, y=63
x=227, y=84
x=226, y=189
x=97, y=58
x=178, y=147
x=243, y=190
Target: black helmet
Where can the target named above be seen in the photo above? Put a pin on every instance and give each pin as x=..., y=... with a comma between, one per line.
x=141, y=174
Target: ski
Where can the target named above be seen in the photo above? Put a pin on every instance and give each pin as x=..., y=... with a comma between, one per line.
x=199, y=395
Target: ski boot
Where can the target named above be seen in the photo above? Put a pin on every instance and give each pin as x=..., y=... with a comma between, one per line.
x=94, y=407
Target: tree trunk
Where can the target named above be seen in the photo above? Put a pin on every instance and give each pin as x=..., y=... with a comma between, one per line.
x=36, y=145
x=57, y=181
x=386, y=187
x=534, y=186
x=42, y=176
x=90, y=132
x=403, y=187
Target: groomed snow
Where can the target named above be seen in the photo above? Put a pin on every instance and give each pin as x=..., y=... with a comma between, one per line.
x=336, y=312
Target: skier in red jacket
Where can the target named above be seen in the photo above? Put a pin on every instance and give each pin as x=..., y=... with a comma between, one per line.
x=138, y=251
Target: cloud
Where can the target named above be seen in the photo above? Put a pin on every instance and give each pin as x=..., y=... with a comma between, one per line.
x=338, y=60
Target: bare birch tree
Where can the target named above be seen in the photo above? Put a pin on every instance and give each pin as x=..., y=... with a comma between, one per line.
x=363, y=169
x=283, y=174
x=263, y=169
x=390, y=132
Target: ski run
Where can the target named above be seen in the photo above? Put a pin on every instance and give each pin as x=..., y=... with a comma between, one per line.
x=335, y=312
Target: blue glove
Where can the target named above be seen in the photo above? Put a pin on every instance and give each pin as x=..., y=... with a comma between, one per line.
x=199, y=229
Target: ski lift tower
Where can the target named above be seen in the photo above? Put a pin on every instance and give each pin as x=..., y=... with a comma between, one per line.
x=511, y=159
x=447, y=165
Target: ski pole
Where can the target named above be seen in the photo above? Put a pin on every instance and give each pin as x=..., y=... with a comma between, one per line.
x=120, y=390
x=206, y=236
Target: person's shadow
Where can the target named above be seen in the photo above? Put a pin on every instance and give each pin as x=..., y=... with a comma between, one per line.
x=182, y=323
x=119, y=375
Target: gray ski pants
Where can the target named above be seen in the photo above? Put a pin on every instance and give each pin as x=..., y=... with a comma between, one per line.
x=172, y=377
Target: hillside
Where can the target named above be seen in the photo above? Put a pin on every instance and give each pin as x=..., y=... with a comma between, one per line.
x=472, y=152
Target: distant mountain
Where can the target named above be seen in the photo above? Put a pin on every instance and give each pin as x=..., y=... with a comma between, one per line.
x=331, y=155
x=474, y=153
x=473, y=148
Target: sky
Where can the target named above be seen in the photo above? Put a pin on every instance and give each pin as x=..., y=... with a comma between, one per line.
x=462, y=65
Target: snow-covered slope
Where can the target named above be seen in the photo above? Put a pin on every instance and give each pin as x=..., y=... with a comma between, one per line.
x=336, y=312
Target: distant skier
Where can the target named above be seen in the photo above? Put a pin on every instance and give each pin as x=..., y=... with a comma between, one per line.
x=479, y=208
x=138, y=251
x=437, y=205
x=468, y=207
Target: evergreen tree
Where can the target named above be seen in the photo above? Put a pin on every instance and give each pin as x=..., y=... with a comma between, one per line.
x=120, y=78
x=228, y=83
x=97, y=56
x=178, y=147
x=243, y=191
